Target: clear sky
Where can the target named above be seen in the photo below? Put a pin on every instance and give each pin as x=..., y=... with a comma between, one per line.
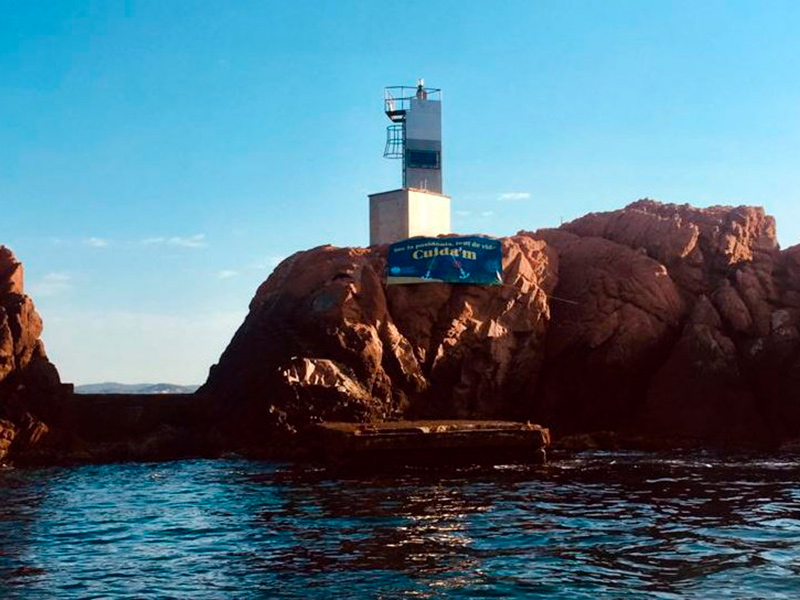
x=157, y=158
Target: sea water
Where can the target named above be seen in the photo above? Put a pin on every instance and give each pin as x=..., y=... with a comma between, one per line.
x=593, y=525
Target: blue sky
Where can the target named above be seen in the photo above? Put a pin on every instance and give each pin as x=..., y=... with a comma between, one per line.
x=158, y=158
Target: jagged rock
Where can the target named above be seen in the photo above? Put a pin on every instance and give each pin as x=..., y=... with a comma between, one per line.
x=8, y=431
x=732, y=308
x=29, y=384
x=655, y=319
x=616, y=312
x=20, y=328
x=700, y=391
x=11, y=273
x=481, y=348
x=322, y=389
x=325, y=336
x=725, y=262
x=323, y=303
x=667, y=238
x=787, y=275
x=697, y=245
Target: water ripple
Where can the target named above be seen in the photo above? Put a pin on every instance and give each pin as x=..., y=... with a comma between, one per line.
x=600, y=525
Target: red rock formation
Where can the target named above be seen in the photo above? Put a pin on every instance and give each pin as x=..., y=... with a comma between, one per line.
x=701, y=390
x=326, y=339
x=616, y=313
x=713, y=380
x=655, y=319
x=698, y=246
x=480, y=348
x=29, y=383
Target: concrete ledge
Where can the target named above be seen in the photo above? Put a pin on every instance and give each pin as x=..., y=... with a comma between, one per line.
x=429, y=442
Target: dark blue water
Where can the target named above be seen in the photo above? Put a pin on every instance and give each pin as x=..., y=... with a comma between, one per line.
x=595, y=526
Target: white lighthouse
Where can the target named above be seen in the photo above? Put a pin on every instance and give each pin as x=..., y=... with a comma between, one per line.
x=419, y=207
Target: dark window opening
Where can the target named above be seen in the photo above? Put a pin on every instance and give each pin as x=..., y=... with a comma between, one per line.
x=422, y=159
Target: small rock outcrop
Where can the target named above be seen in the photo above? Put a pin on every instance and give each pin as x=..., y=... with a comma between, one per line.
x=29, y=383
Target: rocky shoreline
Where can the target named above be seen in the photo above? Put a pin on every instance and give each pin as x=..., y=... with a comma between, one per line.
x=656, y=324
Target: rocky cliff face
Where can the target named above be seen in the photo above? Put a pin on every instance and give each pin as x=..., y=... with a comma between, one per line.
x=677, y=329
x=656, y=319
x=327, y=339
x=29, y=383
x=660, y=321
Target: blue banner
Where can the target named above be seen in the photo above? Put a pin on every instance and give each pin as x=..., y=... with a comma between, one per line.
x=474, y=260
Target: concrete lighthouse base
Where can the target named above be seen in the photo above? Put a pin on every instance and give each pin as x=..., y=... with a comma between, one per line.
x=408, y=212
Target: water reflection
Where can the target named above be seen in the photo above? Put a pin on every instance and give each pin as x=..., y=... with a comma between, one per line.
x=374, y=533
x=597, y=525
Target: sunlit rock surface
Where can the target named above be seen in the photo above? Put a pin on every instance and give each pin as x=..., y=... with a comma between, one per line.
x=655, y=320
x=327, y=339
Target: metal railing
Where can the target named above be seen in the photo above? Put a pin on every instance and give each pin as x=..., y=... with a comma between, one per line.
x=398, y=98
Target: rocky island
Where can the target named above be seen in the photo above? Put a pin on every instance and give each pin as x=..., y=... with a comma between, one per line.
x=656, y=324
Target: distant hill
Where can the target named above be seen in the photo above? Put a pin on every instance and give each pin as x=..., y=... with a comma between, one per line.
x=111, y=387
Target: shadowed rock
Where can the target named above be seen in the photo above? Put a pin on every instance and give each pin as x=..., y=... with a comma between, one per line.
x=665, y=320
x=656, y=321
x=327, y=339
x=29, y=384
x=618, y=312
x=704, y=367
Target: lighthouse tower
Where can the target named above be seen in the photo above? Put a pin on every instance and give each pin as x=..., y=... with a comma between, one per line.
x=415, y=137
